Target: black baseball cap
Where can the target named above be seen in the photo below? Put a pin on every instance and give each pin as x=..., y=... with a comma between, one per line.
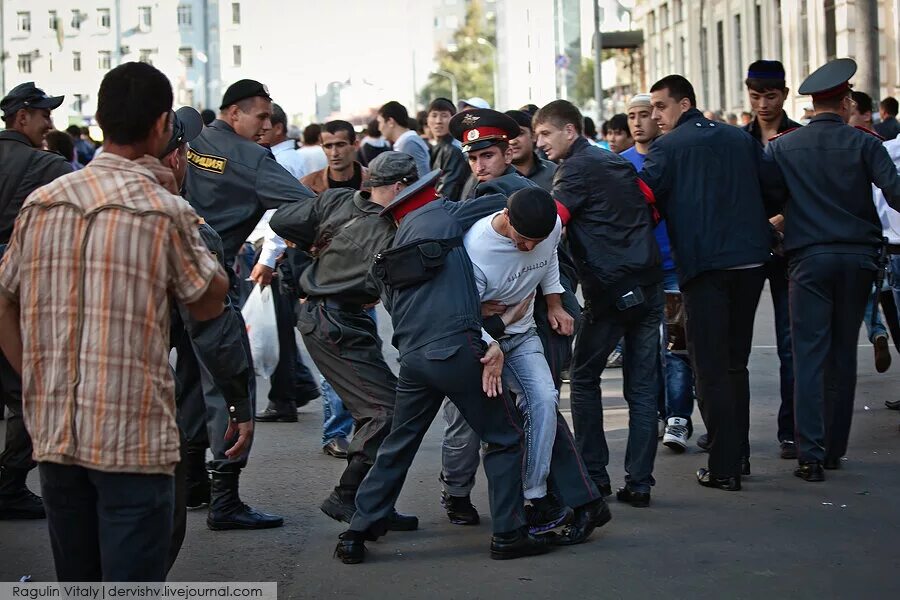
x=243, y=89
x=186, y=125
x=27, y=95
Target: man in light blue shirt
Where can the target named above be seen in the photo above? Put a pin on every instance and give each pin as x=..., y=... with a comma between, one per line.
x=393, y=121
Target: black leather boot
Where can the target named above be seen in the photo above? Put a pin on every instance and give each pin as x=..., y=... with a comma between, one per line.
x=226, y=511
x=197, y=478
x=16, y=500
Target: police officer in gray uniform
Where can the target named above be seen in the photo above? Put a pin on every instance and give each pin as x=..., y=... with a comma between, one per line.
x=832, y=237
x=231, y=182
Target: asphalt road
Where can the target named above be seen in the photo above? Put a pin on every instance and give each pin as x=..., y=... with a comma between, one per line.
x=779, y=537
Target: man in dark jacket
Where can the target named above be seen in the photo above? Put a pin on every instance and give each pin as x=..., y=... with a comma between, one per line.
x=889, y=128
x=610, y=231
x=445, y=153
x=24, y=167
x=525, y=158
x=707, y=179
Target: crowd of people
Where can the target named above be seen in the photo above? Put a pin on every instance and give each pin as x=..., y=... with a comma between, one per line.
x=475, y=229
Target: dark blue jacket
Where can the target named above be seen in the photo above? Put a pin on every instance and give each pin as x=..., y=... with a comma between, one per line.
x=709, y=180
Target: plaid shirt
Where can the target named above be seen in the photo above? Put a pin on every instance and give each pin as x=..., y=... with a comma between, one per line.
x=94, y=260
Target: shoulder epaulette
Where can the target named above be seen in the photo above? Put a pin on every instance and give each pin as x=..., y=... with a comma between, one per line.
x=785, y=132
x=869, y=131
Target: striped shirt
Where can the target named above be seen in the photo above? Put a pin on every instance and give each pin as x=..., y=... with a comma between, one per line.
x=94, y=261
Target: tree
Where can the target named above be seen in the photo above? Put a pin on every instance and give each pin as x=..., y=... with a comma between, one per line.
x=470, y=62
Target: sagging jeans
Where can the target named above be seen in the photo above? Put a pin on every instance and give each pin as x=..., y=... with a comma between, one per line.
x=600, y=330
x=526, y=375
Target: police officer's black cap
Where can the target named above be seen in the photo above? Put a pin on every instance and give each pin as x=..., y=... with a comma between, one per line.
x=766, y=69
x=532, y=212
x=27, y=95
x=480, y=128
x=830, y=79
x=412, y=191
x=243, y=89
x=186, y=125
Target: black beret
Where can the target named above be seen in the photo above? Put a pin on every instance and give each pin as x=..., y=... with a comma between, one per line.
x=243, y=89
x=532, y=212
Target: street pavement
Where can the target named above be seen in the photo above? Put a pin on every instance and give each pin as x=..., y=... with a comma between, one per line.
x=779, y=537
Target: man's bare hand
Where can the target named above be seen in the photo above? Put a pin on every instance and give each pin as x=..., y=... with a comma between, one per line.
x=491, y=308
x=261, y=274
x=244, y=433
x=491, y=373
x=778, y=223
x=560, y=320
x=517, y=312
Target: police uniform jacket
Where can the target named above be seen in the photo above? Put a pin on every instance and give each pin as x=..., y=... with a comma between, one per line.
x=709, y=180
x=345, y=231
x=23, y=169
x=446, y=156
x=829, y=168
x=508, y=183
x=449, y=303
x=232, y=181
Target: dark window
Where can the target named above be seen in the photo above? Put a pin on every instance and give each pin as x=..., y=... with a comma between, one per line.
x=830, y=31
x=236, y=13
x=757, y=16
x=804, y=39
x=76, y=61
x=720, y=41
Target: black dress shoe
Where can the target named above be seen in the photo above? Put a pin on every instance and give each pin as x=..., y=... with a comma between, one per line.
x=605, y=489
x=788, y=450
x=587, y=518
x=703, y=442
x=460, y=509
x=745, y=466
x=810, y=472
x=518, y=543
x=270, y=415
x=882, y=353
x=351, y=548
x=832, y=463
x=227, y=511
x=635, y=499
x=892, y=404
x=337, y=448
x=400, y=522
x=729, y=484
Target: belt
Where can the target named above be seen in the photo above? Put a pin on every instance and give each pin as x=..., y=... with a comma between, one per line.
x=334, y=304
x=893, y=249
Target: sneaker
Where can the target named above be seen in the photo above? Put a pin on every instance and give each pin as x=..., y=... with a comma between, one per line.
x=615, y=360
x=882, y=353
x=660, y=428
x=546, y=514
x=676, y=435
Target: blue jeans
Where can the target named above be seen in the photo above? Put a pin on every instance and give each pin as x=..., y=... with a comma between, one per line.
x=872, y=305
x=337, y=422
x=676, y=377
x=527, y=376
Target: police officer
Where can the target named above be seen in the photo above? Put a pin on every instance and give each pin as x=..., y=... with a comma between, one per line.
x=24, y=167
x=429, y=290
x=346, y=230
x=231, y=182
x=485, y=135
x=832, y=237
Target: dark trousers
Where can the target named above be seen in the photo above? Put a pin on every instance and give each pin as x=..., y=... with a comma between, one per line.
x=720, y=308
x=828, y=294
x=777, y=273
x=598, y=335
x=108, y=526
x=17, y=451
x=449, y=368
x=347, y=351
x=292, y=383
x=557, y=348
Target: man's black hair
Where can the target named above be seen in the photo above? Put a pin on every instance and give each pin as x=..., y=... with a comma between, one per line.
x=618, y=122
x=590, y=128
x=560, y=113
x=678, y=88
x=312, y=134
x=130, y=101
x=420, y=122
x=74, y=131
x=333, y=127
x=442, y=105
x=531, y=109
x=396, y=111
x=278, y=116
x=61, y=143
x=863, y=101
x=889, y=105
x=765, y=75
x=372, y=129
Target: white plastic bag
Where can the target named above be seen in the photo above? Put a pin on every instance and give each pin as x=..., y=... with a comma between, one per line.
x=262, y=329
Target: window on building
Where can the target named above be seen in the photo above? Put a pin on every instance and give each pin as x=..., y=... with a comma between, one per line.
x=704, y=62
x=830, y=31
x=76, y=61
x=739, y=65
x=804, y=39
x=78, y=104
x=103, y=18
x=720, y=42
x=104, y=60
x=53, y=20
x=677, y=8
x=236, y=56
x=24, y=63
x=23, y=20
x=757, y=25
x=778, y=29
x=144, y=56
x=187, y=56
x=76, y=19
x=651, y=22
x=185, y=15
x=670, y=60
x=663, y=17
x=145, y=18
x=236, y=13
x=682, y=55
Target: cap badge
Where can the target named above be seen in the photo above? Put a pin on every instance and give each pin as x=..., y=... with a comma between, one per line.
x=472, y=134
x=470, y=120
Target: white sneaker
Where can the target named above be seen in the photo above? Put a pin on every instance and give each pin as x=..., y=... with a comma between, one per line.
x=661, y=428
x=676, y=435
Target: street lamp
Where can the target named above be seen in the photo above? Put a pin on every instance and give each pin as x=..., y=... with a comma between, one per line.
x=482, y=41
x=453, y=87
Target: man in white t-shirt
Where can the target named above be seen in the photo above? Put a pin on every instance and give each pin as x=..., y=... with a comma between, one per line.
x=513, y=252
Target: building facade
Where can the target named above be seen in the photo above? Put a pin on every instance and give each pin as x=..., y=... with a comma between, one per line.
x=711, y=42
